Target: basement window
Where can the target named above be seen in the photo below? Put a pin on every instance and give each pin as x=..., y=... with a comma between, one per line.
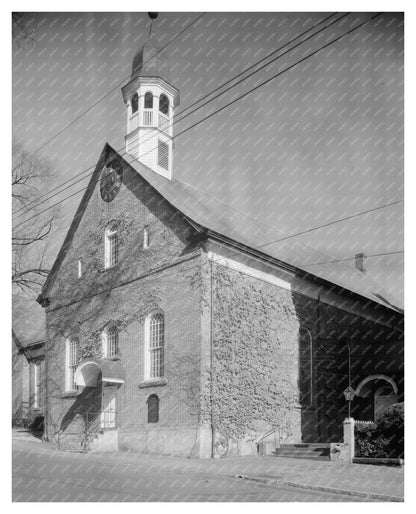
x=153, y=409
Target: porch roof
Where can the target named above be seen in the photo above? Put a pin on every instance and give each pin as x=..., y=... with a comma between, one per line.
x=88, y=372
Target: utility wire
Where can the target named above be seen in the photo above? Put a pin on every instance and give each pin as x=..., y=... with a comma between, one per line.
x=25, y=209
x=108, y=93
x=182, y=116
x=362, y=213
x=351, y=258
x=231, y=103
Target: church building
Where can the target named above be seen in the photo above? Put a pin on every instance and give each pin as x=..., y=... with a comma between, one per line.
x=173, y=329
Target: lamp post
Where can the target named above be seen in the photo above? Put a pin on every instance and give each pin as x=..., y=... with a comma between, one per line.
x=349, y=393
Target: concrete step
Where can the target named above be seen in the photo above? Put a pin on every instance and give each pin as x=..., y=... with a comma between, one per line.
x=72, y=442
x=306, y=445
x=315, y=451
x=307, y=457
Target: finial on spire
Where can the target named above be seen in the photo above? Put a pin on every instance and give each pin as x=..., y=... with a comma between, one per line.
x=152, y=16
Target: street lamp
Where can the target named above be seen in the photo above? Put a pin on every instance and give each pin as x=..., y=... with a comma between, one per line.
x=349, y=393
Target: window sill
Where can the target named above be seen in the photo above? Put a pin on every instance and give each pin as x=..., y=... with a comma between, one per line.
x=69, y=394
x=153, y=382
x=108, y=268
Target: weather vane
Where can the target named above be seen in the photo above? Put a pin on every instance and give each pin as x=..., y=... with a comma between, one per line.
x=152, y=16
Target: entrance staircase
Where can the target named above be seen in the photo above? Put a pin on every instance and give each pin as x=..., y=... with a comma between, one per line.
x=315, y=451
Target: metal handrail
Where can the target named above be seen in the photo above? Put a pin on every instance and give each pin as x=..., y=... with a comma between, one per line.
x=269, y=432
x=93, y=423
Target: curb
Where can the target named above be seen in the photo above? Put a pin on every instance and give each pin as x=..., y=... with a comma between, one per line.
x=271, y=481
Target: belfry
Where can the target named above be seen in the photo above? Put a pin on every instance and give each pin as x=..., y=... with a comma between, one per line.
x=150, y=101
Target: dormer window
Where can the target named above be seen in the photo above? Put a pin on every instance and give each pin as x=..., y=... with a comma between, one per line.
x=135, y=103
x=164, y=104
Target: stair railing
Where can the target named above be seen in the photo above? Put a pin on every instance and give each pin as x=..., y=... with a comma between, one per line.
x=96, y=422
x=260, y=444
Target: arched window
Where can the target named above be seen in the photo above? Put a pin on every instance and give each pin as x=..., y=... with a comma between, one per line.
x=164, y=104
x=72, y=350
x=155, y=345
x=153, y=409
x=305, y=367
x=148, y=100
x=110, y=247
x=134, y=103
x=110, y=341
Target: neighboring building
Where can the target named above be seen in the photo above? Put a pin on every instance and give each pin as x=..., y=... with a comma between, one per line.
x=28, y=362
x=173, y=328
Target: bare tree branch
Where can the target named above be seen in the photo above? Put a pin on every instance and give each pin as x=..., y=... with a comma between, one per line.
x=29, y=241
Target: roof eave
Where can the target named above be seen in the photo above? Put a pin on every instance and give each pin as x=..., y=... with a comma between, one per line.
x=210, y=234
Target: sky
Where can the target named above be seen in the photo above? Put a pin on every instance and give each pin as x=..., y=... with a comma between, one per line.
x=320, y=142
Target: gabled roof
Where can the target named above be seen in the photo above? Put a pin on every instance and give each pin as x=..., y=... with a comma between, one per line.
x=218, y=217
x=207, y=213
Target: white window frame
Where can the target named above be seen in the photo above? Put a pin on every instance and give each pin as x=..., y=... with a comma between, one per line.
x=106, y=343
x=146, y=240
x=71, y=364
x=36, y=384
x=111, y=249
x=151, y=351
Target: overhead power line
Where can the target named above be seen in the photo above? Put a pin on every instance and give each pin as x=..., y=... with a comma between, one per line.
x=108, y=93
x=362, y=213
x=181, y=117
x=234, y=101
x=352, y=258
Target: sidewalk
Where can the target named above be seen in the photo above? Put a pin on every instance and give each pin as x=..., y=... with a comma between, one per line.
x=24, y=434
x=377, y=482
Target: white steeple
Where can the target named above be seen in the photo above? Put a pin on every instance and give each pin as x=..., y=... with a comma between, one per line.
x=150, y=101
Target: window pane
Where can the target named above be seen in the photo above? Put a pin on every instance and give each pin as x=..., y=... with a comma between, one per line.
x=134, y=103
x=113, y=248
x=148, y=101
x=112, y=342
x=72, y=362
x=153, y=409
x=164, y=104
x=156, y=345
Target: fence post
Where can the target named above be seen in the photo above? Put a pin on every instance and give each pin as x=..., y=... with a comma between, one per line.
x=349, y=440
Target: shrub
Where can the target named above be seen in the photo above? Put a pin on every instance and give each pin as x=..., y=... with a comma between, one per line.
x=37, y=425
x=390, y=424
x=385, y=437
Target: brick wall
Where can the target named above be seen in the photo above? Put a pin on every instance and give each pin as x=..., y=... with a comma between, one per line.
x=165, y=276
x=257, y=335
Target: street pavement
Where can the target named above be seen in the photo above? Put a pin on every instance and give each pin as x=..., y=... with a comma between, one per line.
x=43, y=474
